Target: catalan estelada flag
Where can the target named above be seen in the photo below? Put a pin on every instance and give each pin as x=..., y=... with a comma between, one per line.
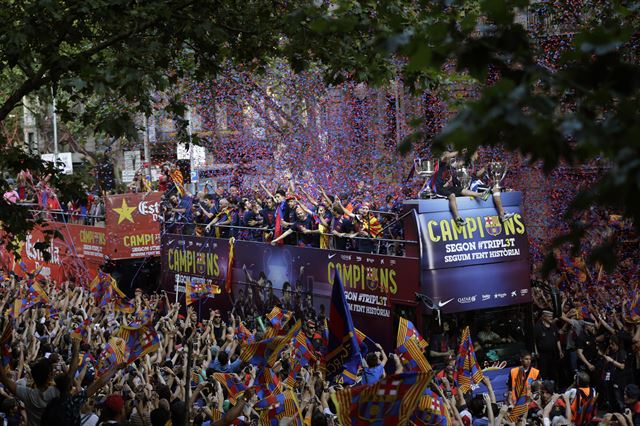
x=230, y=262
x=412, y=357
x=390, y=401
x=343, y=356
x=406, y=331
x=139, y=341
x=469, y=371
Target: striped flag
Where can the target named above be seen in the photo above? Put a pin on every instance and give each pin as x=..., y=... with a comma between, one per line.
x=235, y=388
x=412, y=357
x=521, y=406
x=178, y=181
x=432, y=411
x=343, y=357
x=195, y=292
x=390, y=401
x=81, y=331
x=140, y=340
x=276, y=408
x=469, y=371
x=406, y=331
x=112, y=355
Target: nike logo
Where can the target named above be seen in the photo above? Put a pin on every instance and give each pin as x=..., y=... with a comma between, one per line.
x=441, y=304
x=331, y=256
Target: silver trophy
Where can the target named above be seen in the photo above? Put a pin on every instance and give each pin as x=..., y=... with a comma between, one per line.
x=425, y=169
x=497, y=171
x=463, y=176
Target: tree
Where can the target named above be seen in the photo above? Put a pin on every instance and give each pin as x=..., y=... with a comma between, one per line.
x=110, y=57
x=583, y=108
x=567, y=90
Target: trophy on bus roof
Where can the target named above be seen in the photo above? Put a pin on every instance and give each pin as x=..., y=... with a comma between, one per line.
x=425, y=169
x=462, y=174
x=497, y=171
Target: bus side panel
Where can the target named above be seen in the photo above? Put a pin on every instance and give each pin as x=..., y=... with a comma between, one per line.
x=372, y=282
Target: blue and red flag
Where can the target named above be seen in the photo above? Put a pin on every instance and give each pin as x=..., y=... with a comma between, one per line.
x=279, y=218
x=365, y=342
x=267, y=384
x=390, y=401
x=432, y=411
x=406, y=331
x=230, y=382
x=412, y=357
x=469, y=371
x=276, y=317
x=343, y=356
x=521, y=405
x=274, y=409
x=244, y=333
x=139, y=341
x=112, y=355
x=81, y=331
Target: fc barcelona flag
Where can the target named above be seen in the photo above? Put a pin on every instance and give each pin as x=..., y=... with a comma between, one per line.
x=112, y=355
x=139, y=341
x=234, y=387
x=390, y=401
x=274, y=409
x=432, y=411
x=343, y=352
x=406, y=331
x=81, y=331
x=365, y=342
x=469, y=372
x=521, y=405
x=195, y=292
x=412, y=357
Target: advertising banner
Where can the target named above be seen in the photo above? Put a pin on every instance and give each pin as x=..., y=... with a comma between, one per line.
x=133, y=225
x=371, y=282
x=75, y=256
x=483, y=264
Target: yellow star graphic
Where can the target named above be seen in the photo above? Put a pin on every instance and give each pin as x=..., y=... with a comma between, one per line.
x=124, y=212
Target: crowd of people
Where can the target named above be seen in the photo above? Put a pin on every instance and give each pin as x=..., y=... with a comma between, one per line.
x=56, y=369
x=290, y=216
x=583, y=366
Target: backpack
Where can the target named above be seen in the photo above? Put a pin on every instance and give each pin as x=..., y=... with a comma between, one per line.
x=55, y=413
